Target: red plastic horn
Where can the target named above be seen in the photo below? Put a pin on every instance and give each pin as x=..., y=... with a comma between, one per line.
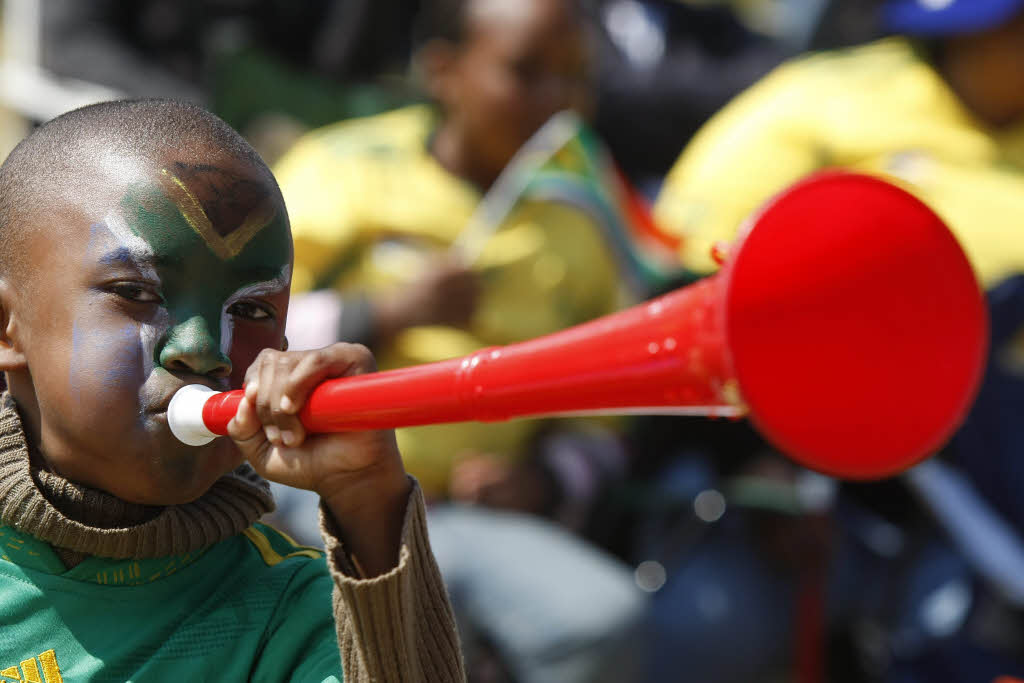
x=847, y=324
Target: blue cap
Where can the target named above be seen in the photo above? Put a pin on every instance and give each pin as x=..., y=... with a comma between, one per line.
x=937, y=18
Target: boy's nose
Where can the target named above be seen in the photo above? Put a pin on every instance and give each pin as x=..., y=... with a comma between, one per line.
x=190, y=347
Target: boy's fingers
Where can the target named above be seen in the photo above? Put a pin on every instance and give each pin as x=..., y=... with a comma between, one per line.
x=278, y=384
x=252, y=375
x=280, y=427
x=244, y=425
x=251, y=380
x=264, y=381
x=337, y=360
x=290, y=429
x=265, y=388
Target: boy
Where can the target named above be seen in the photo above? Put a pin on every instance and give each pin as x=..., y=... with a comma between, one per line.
x=145, y=246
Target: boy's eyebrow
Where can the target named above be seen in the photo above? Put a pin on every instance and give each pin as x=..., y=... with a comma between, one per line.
x=265, y=275
x=144, y=260
x=132, y=257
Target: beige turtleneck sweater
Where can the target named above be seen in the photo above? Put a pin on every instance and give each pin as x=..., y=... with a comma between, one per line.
x=397, y=627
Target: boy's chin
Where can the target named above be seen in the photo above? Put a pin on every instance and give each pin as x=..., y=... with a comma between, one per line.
x=186, y=473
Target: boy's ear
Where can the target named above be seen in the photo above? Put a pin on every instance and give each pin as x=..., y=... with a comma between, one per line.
x=11, y=355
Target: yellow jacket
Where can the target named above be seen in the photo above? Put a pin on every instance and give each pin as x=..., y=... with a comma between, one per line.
x=879, y=108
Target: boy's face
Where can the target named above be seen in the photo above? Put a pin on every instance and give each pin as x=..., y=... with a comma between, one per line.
x=177, y=275
x=521, y=62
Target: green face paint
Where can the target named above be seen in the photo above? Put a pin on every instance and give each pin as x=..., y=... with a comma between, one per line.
x=216, y=238
x=227, y=237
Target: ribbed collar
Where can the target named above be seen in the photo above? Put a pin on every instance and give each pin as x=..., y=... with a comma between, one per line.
x=83, y=520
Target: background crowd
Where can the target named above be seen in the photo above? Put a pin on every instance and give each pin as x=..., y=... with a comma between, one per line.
x=468, y=173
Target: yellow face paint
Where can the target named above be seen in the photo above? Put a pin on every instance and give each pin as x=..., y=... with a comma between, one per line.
x=225, y=246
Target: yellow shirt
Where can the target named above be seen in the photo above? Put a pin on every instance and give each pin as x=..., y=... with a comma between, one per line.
x=879, y=109
x=367, y=202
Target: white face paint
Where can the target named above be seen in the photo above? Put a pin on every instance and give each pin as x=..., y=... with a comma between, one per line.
x=130, y=243
x=131, y=247
x=141, y=255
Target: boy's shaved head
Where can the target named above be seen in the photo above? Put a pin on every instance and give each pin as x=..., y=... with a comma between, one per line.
x=67, y=160
x=144, y=246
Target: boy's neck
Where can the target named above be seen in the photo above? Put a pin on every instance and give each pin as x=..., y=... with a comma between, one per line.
x=81, y=521
x=91, y=508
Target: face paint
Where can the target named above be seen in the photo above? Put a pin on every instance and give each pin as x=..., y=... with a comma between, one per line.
x=185, y=276
x=111, y=243
x=229, y=243
x=114, y=232
x=247, y=245
x=260, y=289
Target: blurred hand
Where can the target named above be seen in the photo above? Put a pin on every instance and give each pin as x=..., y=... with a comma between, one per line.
x=445, y=293
x=485, y=480
x=359, y=475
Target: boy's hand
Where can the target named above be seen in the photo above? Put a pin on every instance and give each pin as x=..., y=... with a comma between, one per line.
x=359, y=475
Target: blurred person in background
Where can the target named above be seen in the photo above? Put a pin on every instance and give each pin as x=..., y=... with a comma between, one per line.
x=843, y=23
x=165, y=48
x=926, y=570
x=378, y=209
x=271, y=68
x=664, y=67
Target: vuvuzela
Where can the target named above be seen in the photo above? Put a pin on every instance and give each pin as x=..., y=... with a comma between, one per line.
x=846, y=323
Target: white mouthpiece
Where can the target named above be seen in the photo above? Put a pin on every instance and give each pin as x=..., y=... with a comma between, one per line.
x=185, y=415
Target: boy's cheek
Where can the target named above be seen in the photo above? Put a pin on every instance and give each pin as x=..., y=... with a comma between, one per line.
x=106, y=360
x=244, y=350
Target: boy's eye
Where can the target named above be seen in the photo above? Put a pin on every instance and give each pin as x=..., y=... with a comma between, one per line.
x=250, y=311
x=136, y=292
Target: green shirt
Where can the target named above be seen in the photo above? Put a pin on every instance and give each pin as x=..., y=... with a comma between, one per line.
x=255, y=607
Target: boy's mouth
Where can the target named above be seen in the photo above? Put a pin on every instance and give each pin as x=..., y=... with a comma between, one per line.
x=160, y=407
